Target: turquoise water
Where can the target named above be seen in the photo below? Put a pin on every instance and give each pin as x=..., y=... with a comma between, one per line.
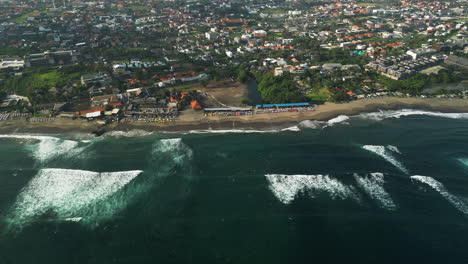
x=386, y=187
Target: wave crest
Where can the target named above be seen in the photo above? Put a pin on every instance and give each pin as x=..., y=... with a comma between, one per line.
x=381, y=115
x=386, y=153
x=337, y=120
x=131, y=133
x=68, y=194
x=310, y=124
x=372, y=184
x=174, y=149
x=47, y=148
x=457, y=202
x=286, y=187
x=231, y=131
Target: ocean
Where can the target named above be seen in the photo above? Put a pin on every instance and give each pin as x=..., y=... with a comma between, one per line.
x=383, y=187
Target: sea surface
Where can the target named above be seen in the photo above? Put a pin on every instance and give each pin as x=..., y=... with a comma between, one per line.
x=383, y=187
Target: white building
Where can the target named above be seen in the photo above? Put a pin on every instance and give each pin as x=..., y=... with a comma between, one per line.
x=417, y=53
x=12, y=64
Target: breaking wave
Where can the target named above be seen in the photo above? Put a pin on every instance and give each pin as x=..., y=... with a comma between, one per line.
x=286, y=187
x=131, y=133
x=457, y=202
x=231, y=131
x=377, y=116
x=45, y=148
x=70, y=195
x=174, y=149
x=337, y=120
x=293, y=129
x=394, y=149
x=342, y=119
x=381, y=115
x=386, y=153
x=171, y=157
x=372, y=184
x=463, y=162
x=310, y=124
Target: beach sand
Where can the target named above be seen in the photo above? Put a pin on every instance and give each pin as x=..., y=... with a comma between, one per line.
x=191, y=120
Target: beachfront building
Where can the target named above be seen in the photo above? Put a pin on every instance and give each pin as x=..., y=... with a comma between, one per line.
x=228, y=111
x=289, y=107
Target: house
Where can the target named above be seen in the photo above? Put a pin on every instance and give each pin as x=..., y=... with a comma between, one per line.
x=95, y=112
x=51, y=58
x=332, y=66
x=95, y=78
x=12, y=64
x=195, y=105
x=135, y=91
x=103, y=100
x=417, y=53
x=211, y=35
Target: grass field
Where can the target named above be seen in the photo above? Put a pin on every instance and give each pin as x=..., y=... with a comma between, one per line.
x=320, y=95
x=462, y=19
x=367, y=4
x=274, y=11
x=27, y=83
x=25, y=16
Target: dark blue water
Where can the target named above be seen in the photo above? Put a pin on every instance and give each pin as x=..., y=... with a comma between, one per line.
x=341, y=194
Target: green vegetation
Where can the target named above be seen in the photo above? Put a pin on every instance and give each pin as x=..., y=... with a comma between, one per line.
x=415, y=84
x=25, y=16
x=243, y=75
x=321, y=94
x=24, y=84
x=274, y=11
x=2, y=95
x=462, y=20
x=11, y=51
x=278, y=89
x=36, y=85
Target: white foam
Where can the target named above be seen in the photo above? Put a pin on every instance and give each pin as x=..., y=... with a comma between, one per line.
x=47, y=147
x=286, y=187
x=459, y=203
x=387, y=155
x=131, y=133
x=372, y=184
x=73, y=219
x=293, y=129
x=173, y=148
x=393, y=148
x=337, y=120
x=381, y=115
x=231, y=131
x=67, y=192
x=463, y=161
x=311, y=124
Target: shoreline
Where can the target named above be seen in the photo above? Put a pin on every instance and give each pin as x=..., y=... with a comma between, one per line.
x=265, y=121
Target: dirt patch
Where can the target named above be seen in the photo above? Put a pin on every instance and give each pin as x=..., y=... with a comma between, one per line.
x=224, y=93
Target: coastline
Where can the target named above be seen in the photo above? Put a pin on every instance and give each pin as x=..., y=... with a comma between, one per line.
x=265, y=121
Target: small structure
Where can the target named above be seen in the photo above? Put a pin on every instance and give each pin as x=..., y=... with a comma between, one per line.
x=228, y=109
x=90, y=113
x=283, y=105
x=101, y=78
x=195, y=105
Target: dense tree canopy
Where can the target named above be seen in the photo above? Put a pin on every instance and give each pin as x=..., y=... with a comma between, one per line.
x=278, y=89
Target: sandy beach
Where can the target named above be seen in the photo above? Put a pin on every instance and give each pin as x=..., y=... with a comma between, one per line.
x=191, y=120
